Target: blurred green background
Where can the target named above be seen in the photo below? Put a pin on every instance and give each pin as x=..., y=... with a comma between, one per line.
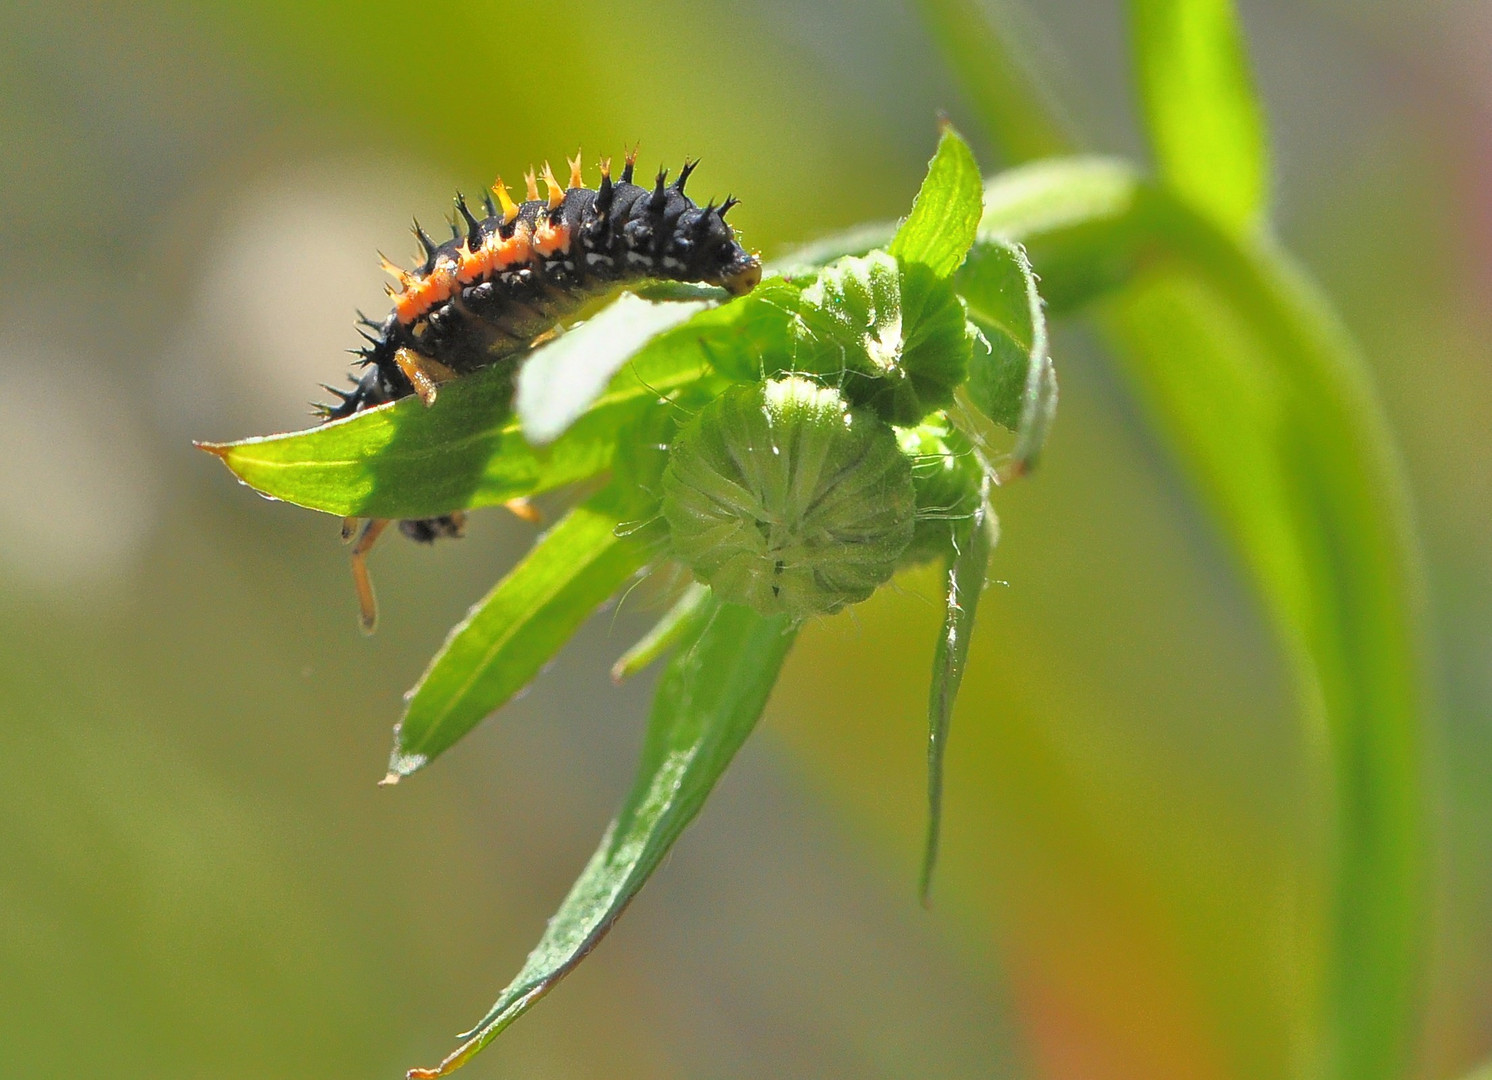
x=198, y=877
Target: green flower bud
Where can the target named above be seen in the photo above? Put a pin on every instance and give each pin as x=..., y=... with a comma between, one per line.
x=946, y=475
x=899, y=337
x=781, y=497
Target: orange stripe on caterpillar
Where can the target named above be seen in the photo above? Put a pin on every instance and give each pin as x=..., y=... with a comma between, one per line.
x=551, y=240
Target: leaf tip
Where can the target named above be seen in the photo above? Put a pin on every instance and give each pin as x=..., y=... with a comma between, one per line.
x=217, y=450
x=401, y=765
x=929, y=863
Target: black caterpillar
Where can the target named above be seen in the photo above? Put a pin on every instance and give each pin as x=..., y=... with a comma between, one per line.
x=492, y=292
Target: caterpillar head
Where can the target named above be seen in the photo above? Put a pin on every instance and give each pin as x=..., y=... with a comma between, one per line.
x=782, y=497
x=712, y=252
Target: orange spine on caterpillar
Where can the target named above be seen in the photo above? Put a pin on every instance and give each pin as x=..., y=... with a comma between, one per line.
x=506, y=279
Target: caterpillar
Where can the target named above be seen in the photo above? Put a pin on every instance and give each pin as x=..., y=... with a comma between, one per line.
x=503, y=283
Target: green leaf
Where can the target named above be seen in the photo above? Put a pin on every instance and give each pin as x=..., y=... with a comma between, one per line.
x=1265, y=401
x=974, y=540
x=405, y=460
x=739, y=338
x=945, y=214
x=1204, y=119
x=561, y=380
x=509, y=636
x=708, y=701
x=512, y=632
x=1011, y=378
x=680, y=623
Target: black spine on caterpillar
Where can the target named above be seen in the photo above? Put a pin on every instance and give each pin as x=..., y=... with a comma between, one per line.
x=508, y=277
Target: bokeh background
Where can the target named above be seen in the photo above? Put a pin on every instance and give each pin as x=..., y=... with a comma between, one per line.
x=198, y=877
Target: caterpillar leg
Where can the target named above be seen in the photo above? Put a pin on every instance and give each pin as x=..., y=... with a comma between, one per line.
x=424, y=373
x=367, y=603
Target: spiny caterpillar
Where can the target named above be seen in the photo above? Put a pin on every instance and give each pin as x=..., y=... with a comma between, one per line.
x=501, y=286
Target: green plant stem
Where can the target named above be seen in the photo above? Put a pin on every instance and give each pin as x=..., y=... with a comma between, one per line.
x=1005, y=97
x=1294, y=456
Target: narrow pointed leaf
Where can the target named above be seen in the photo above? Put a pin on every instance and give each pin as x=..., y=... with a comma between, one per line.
x=512, y=632
x=1198, y=96
x=560, y=381
x=708, y=701
x=975, y=540
x=945, y=215
x=680, y=623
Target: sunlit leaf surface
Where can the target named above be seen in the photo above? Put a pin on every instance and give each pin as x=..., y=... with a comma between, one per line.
x=512, y=632
x=1011, y=378
x=561, y=380
x=945, y=215
x=468, y=449
x=710, y=698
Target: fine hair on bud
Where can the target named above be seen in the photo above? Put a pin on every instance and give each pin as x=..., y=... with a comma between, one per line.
x=947, y=475
x=783, y=497
x=897, y=342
